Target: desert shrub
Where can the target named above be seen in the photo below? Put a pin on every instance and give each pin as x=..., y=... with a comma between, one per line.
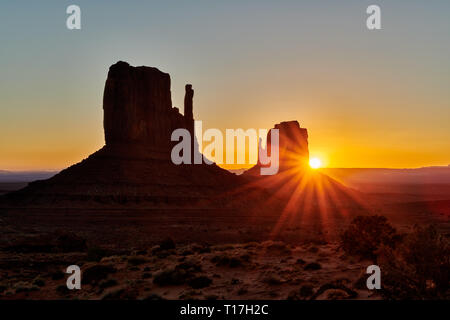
x=108, y=283
x=223, y=247
x=62, y=289
x=190, y=266
x=242, y=291
x=251, y=245
x=201, y=248
x=418, y=268
x=190, y=295
x=96, y=254
x=334, y=287
x=59, y=241
x=312, y=266
x=272, y=280
x=121, y=294
x=171, y=277
x=137, y=260
x=306, y=290
x=57, y=275
x=165, y=248
x=167, y=244
x=313, y=249
x=366, y=234
x=114, y=294
x=429, y=253
x=245, y=257
x=226, y=261
x=39, y=282
x=200, y=282
x=161, y=254
x=278, y=248
x=25, y=287
x=361, y=281
x=153, y=296
x=69, y=242
x=301, y=294
x=96, y=273
x=187, y=253
x=182, y=273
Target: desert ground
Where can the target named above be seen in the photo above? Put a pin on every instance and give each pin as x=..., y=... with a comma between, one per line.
x=192, y=254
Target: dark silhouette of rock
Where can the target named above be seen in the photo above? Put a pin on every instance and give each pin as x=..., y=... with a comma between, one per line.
x=134, y=167
x=188, y=104
x=293, y=148
x=299, y=187
x=293, y=144
x=138, y=108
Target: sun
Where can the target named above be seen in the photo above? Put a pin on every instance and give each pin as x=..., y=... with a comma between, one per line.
x=315, y=163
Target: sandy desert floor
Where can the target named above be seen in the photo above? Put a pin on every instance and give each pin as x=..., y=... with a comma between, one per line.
x=267, y=270
x=129, y=255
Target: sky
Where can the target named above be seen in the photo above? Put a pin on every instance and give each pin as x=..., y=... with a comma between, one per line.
x=368, y=98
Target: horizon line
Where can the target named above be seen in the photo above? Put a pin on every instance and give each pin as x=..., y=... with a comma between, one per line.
x=237, y=169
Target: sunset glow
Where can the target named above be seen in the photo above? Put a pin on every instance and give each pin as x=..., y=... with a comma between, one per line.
x=51, y=119
x=315, y=163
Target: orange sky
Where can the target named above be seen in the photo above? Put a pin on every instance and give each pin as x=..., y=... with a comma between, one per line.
x=368, y=99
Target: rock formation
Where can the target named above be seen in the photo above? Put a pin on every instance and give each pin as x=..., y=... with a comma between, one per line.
x=138, y=108
x=295, y=184
x=134, y=166
x=293, y=144
x=293, y=148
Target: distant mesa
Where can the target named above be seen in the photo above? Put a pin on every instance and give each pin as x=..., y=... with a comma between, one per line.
x=292, y=145
x=300, y=188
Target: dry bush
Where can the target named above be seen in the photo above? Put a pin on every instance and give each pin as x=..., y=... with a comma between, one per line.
x=366, y=234
x=312, y=266
x=96, y=254
x=96, y=273
x=272, y=280
x=182, y=273
x=200, y=282
x=225, y=260
x=336, y=290
x=418, y=268
x=137, y=260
